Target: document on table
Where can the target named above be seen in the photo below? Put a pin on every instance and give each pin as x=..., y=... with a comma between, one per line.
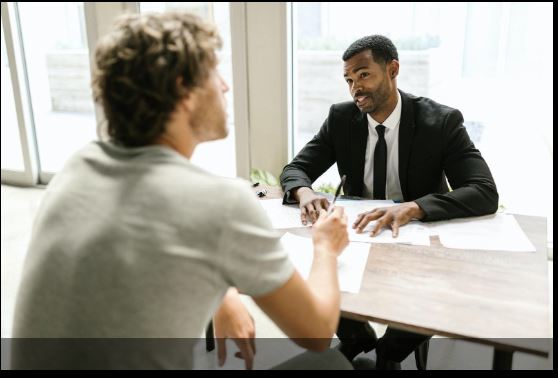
x=414, y=233
x=282, y=216
x=495, y=232
x=288, y=216
x=354, y=207
x=350, y=265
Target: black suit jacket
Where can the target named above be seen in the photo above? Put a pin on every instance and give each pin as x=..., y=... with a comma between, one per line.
x=433, y=145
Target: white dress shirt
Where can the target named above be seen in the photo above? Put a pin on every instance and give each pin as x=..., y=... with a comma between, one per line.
x=393, y=187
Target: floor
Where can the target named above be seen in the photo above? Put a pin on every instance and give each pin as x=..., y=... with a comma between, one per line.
x=20, y=204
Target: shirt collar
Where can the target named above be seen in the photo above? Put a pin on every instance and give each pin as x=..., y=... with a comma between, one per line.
x=392, y=121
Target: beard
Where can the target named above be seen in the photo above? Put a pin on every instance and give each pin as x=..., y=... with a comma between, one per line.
x=210, y=124
x=376, y=102
x=376, y=99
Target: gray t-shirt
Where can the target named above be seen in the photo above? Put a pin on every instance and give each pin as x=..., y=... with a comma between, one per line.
x=140, y=243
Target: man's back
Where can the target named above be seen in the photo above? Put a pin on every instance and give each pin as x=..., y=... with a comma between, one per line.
x=128, y=243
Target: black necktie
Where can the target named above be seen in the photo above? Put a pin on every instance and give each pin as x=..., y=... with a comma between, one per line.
x=380, y=163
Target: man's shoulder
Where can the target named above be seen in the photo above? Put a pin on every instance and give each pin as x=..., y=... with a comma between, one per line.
x=427, y=109
x=344, y=109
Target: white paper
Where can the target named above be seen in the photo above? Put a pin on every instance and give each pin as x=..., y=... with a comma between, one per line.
x=288, y=216
x=350, y=265
x=414, y=233
x=354, y=207
x=495, y=232
x=282, y=216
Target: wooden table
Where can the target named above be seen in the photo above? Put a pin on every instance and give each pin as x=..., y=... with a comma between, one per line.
x=492, y=297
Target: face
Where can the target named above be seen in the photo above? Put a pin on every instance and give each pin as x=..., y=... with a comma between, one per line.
x=209, y=119
x=372, y=85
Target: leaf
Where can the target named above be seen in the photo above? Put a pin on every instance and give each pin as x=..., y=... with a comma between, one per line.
x=327, y=188
x=263, y=177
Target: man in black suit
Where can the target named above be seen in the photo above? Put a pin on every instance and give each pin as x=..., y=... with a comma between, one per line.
x=391, y=145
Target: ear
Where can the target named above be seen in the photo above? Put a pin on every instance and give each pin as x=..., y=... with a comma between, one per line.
x=186, y=95
x=393, y=69
x=189, y=99
x=186, y=103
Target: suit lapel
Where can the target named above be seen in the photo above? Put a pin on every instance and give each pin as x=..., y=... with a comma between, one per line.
x=406, y=133
x=358, y=137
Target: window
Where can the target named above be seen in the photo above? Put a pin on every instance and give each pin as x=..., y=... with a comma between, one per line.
x=54, y=80
x=57, y=63
x=492, y=61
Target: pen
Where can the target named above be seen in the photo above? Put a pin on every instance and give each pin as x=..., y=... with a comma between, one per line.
x=337, y=192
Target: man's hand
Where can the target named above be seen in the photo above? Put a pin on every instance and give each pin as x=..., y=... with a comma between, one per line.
x=394, y=217
x=232, y=320
x=310, y=204
x=329, y=232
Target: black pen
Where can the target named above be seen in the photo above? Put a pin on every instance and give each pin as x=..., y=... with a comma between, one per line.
x=337, y=192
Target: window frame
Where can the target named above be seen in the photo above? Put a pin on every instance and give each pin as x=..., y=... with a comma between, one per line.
x=25, y=125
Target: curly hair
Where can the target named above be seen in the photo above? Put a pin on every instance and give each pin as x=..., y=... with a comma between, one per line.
x=145, y=66
x=383, y=50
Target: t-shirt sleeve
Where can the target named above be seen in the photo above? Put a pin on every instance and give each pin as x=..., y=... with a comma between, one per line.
x=254, y=260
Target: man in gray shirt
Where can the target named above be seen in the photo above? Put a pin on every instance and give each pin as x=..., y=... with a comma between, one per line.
x=134, y=249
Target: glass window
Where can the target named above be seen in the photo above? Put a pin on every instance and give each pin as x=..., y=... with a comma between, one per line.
x=57, y=62
x=218, y=156
x=492, y=61
x=12, y=158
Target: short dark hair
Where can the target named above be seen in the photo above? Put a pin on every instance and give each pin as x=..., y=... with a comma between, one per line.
x=383, y=50
x=145, y=66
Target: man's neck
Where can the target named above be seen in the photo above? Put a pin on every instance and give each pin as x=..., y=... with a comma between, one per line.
x=179, y=136
x=183, y=148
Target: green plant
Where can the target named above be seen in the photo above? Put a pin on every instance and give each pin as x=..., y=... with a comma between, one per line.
x=327, y=188
x=263, y=177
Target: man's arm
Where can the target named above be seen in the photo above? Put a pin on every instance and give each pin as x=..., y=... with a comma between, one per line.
x=310, y=203
x=308, y=312
x=311, y=162
x=474, y=191
x=474, y=188
x=233, y=321
x=392, y=217
x=254, y=261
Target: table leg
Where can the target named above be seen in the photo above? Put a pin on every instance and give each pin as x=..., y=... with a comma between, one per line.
x=502, y=360
x=209, y=338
